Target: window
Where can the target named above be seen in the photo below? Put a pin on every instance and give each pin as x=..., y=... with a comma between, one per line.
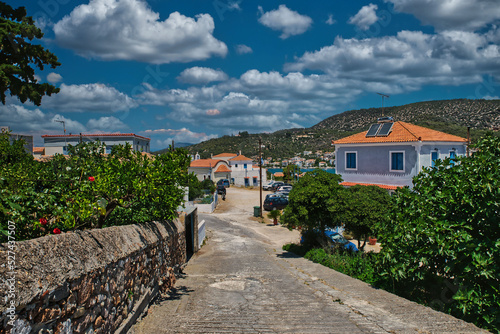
x=235, y=165
x=245, y=166
x=351, y=160
x=397, y=161
x=434, y=157
x=453, y=156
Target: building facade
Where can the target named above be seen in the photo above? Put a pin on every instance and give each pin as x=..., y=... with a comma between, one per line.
x=58, y=144
x=391, y=155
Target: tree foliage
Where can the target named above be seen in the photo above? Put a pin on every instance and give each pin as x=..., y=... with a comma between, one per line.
x=315, y=202
x=289, y=172
x=366, y=207
x=88, y=189
x=18, y=55
x=442, y=245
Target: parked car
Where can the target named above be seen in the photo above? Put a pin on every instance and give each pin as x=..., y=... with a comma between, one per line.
x=276, y=185
x=284, y=188
x=332, y=239
x=275, y=203
x=224, y=182
x=268, y=185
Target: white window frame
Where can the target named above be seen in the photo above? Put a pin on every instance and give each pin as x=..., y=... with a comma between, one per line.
x=345, y=158
x=390, y=162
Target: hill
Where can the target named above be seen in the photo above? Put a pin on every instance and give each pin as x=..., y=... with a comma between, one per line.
x=450, y=116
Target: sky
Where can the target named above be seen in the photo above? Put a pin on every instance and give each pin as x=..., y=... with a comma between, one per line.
x=193, y=70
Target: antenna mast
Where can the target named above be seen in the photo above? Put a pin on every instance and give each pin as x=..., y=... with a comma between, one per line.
x=383, y=96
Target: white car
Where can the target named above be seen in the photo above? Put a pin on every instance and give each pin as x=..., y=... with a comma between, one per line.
x=268, y=185
x=284, y=188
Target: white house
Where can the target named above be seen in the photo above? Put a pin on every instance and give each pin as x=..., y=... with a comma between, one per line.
x=212, y=169
x=58, y=144
x=243, y=172
x=390, y=153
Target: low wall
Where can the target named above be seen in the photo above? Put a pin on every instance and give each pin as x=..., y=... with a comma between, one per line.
x=89, y=281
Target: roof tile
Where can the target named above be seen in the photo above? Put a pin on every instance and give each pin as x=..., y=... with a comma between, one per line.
x=401, y=132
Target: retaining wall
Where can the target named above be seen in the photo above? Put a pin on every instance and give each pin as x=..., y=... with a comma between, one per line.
x=89, y=281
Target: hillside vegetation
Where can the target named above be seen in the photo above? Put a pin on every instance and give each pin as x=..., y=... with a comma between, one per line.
x=450, y=116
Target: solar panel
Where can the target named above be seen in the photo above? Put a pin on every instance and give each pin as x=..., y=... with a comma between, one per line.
x=385, y=129
x=372, y=132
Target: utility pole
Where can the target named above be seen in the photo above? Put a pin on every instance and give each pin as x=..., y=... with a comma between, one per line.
x=260, y=174
x=468, y=140
x=64, y=127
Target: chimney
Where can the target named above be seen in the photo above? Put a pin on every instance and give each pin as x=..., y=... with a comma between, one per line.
x=240, y=153
x=211, y=155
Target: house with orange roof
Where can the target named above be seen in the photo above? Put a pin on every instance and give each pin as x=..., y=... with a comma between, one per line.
x=212, y=169
x=243, y=171
x=389, y=154
x=58, y=144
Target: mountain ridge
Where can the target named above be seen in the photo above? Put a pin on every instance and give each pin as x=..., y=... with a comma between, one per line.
x=450, y=116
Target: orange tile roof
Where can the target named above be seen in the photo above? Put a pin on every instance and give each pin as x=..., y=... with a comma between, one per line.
x=222, y=169
x=225, y=155
x=240, y=158
x=39, y=150
x=383, y=186
x=279, y=174
x=402, y=132
x=204, y=163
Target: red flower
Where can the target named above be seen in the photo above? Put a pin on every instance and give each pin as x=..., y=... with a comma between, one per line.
x=57, y=231
x=91, y=179
x=43, y=221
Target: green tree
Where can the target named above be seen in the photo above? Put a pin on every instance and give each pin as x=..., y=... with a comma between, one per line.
x=366, y=207
x=316, y=201
x=289, y=172
x=444, y=237
x=17, y=55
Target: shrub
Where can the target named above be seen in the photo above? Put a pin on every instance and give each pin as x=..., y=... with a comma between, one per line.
x=88, y=189
x=444, y=237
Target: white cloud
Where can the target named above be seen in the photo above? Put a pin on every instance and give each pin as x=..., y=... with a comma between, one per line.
x=469, y=15
x=405, y=62
x=162, y=138
x=89, y=98
x=54, y=78
x=106, y=124
x=130, y=30
x=243, y=49
x=33, y=121
x=201, y=75
x=366, y=16
x=330, y=20
x=285, y=20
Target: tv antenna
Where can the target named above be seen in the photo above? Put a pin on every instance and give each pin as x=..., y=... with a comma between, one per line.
x=383, y=96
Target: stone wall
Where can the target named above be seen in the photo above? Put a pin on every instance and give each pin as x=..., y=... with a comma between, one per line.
x=90, y=281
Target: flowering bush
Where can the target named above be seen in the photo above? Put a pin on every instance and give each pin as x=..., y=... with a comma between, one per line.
x=87, y=189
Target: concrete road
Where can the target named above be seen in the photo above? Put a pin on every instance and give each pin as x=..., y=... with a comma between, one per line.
x=241, y=282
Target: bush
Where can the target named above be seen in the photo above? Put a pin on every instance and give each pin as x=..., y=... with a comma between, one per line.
x=444, y=237
x=87, y=189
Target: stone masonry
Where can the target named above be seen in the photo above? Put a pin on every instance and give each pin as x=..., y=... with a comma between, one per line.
x=91, y=281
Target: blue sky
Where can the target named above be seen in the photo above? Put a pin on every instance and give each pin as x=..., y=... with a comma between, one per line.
x=193, y=70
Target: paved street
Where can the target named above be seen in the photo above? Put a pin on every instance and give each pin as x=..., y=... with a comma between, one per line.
x=241, y=282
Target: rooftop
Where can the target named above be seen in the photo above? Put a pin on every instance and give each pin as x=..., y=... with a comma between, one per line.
x=204, y=163
x=97, y=135
x=402, y=132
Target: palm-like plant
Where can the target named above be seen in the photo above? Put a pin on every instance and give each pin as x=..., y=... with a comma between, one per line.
x=274, y=215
